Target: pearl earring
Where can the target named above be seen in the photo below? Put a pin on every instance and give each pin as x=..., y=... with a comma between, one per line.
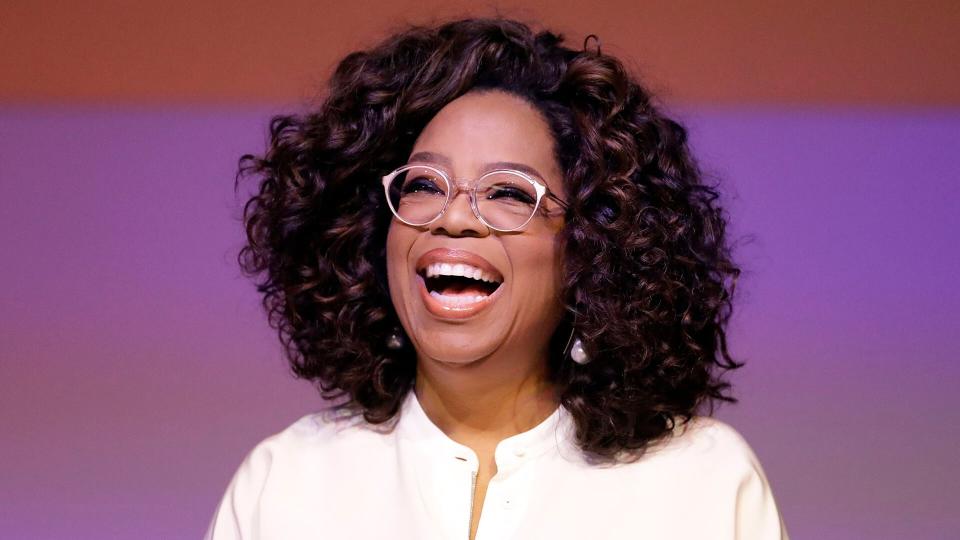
x=394, y=341
x=578, y=354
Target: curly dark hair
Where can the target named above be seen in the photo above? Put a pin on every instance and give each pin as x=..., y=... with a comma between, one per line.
x=648, y=278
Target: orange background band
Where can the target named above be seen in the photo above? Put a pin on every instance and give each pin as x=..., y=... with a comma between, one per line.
x=845, y=52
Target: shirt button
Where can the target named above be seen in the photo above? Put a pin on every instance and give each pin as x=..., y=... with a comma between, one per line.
x=519, y=452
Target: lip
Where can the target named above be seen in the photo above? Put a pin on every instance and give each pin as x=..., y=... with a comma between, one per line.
x=453, y=256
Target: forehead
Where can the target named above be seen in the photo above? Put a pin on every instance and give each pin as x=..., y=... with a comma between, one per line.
x=480, y=130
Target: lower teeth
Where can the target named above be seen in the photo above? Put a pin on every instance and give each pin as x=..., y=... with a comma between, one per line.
x=460, y=299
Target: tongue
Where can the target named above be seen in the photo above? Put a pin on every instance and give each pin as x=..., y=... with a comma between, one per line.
x=469, y=288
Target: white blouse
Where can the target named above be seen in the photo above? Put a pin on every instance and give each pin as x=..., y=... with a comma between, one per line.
x=339, y=477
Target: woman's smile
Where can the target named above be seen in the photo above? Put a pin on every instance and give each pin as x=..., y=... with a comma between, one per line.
x=456, y=284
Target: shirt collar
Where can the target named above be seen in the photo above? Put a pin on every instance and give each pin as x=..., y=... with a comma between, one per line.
x=414, y=425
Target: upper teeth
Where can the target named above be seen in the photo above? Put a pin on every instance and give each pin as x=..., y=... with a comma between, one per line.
x=465, y=270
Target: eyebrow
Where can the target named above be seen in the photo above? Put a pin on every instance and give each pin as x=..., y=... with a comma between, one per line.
x=487, y=167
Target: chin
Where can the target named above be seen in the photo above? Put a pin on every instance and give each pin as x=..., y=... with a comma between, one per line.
x=455, y=345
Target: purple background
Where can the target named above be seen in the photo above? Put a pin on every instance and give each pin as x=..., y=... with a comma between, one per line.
x=136, y=368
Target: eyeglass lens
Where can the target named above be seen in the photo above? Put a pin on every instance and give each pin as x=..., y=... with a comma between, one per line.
x=505, y=200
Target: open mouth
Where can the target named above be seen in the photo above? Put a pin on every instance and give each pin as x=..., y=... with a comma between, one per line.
x=459, y=286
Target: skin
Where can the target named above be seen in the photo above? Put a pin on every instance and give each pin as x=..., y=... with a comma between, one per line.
x=483, y=379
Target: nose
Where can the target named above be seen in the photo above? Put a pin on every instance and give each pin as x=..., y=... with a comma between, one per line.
x=459, y=218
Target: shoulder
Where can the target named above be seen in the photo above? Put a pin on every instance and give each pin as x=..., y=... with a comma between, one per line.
x=706, y=451
x=706, y=438
x=711, y=463
x=304, y=458
x=312, y=436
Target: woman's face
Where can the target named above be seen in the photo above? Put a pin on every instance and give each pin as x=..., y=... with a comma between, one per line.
x=457, y=320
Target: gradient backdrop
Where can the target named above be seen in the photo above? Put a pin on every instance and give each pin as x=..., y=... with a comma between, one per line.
x=136, y=368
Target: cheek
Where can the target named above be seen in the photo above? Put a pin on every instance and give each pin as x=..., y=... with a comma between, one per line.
x=397, y=249
x=538, y=261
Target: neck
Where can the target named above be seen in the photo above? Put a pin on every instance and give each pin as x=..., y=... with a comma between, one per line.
x=484, y=402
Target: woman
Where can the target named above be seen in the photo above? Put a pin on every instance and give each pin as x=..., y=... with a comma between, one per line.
x=499, y=257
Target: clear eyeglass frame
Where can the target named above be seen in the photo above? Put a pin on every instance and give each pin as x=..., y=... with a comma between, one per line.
x=471, y=189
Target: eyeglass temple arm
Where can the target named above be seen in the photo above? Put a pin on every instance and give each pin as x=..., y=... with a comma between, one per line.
x=557, y=200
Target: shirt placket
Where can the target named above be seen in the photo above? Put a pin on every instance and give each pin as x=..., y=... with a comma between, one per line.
x=507, y=494
x=446, y=471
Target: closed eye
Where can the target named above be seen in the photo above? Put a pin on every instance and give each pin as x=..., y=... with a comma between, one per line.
x=510, y=193
x=421, y=185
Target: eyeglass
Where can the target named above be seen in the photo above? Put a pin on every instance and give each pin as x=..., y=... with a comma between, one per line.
x=504, y=199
